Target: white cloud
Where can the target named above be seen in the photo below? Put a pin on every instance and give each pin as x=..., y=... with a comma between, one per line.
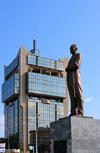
x=88, y=100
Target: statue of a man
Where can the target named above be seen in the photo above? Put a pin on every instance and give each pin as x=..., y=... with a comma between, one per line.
x=74, y=82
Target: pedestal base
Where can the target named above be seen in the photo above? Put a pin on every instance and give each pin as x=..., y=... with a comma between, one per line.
x=75, y=135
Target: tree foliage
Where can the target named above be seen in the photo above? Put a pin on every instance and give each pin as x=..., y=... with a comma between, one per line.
x=13, y=141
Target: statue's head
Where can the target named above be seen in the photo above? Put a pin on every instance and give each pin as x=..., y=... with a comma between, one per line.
x=73, y=49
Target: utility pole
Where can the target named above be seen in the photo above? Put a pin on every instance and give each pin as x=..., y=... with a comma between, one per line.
x=8, y=140
x=37, y=127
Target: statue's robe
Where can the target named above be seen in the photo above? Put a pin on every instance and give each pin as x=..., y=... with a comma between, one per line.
x=74, y=84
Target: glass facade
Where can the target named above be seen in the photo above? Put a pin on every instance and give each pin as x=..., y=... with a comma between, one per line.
x=11, y=118
x=11, y=66
x=44, y=62
x=10, y=87
x=46, y=85
x=59, y=65
x=31, y=60
x=47, y=113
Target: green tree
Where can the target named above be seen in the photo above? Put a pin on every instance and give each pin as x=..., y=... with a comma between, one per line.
x=13, y=140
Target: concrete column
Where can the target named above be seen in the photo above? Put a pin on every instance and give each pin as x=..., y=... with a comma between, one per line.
x=23, y=69
x=66, y=100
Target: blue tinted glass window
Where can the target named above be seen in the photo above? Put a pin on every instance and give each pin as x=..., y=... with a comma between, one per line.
x=11, y=66
x=44, y=62
x=47, y=114
x=10, y=87
x=31, y=59
x=59, y=65
x=11, y=119
x=48, y=85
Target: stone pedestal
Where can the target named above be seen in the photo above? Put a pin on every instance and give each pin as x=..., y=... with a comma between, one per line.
x=75, y=135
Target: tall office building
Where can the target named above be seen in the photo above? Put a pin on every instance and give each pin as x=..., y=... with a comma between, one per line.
x=34, y=94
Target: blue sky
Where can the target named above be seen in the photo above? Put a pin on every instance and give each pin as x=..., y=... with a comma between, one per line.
x=55, y=24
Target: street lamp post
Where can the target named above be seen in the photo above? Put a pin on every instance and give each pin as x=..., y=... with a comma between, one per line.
x=36, y=133
x=8, y=140
x=37, y=127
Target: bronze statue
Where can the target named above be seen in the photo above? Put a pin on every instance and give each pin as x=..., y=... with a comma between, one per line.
x=74, y=82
